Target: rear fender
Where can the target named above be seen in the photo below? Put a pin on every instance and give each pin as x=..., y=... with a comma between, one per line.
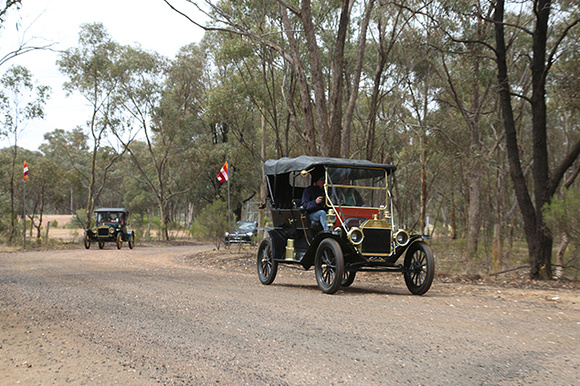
x=279, y=240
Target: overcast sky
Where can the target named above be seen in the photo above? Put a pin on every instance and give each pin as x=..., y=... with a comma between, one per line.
x=150, y=23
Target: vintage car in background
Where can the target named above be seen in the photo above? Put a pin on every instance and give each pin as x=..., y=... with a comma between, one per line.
x=244, y=232
x=110, y=226
x=363, y=235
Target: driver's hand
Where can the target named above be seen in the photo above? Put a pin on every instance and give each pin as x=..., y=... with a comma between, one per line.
x=319, y=199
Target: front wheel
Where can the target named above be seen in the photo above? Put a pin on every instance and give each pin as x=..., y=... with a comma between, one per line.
x=419, y=268
x=329, y=266
x=267, y=267
x=132, y=241
x=87, y=241
x=119, y=240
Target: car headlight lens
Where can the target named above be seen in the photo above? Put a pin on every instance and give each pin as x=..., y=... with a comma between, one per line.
x=402, y=237
x=95, y=231
x=227, y=234
x=111, y=230
x=355, y=236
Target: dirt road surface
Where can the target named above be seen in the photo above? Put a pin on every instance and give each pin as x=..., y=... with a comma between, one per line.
x=174, y=315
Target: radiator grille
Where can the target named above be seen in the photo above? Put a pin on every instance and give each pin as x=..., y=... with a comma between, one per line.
x=104, y=232
x=376, y=241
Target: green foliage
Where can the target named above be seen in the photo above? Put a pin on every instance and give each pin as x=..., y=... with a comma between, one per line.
x=563, y=215
x=54, y=224
x=212, y=223
x=78, y=221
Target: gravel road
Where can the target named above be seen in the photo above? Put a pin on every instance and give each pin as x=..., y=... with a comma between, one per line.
x=179, y=315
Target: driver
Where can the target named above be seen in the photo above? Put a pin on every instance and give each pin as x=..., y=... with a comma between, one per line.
x=314, y=203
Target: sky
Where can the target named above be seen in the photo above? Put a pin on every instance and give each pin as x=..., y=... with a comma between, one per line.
x=148, y=23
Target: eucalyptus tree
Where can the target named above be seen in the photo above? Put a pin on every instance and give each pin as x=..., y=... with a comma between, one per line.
x=5, y=7
x=457, y=54
x=547, y=26
x=70, y=150
x=23, y=45
x=42, y=190
x=321, y=87
x=182, y=131
x=93, y=71
x=21, y=101
x=163, y=99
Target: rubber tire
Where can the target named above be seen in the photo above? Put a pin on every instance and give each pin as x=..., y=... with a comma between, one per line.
x=119, y=240
x=329, y=266
x=421, y=265
x=348, y=278
x=132, y=241
x=87, y=241
x=267, y=267
x=101, y=244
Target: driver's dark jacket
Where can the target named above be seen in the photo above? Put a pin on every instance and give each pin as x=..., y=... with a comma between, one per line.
x=309, y=199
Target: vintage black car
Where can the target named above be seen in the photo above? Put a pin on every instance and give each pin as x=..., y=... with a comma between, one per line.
x=111, y=226
x=244, y=232
x=363, y=234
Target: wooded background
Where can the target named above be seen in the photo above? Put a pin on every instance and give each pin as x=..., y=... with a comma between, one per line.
x=475, y=102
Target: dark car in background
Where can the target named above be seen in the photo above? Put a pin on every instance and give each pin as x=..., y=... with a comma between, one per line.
x=244, y=232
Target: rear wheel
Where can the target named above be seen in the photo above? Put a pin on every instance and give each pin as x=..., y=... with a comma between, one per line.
x=87, y=240
x=329, y=266
x=419, y=268
x=119, y=240
x=348, y=278
x=132, y=241
x=267, y=267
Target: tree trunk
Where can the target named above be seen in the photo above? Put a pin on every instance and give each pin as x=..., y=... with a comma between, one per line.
x=423, y=158
x=306, y=103
x=541, y=262
x=560, y=256
x=452, y=219
x=539, y=241
x=90, y=190
x=374, y=107
x=353, y=97
x=474, y=211
x=336, y=90
x=317, y=77
x=497, y=251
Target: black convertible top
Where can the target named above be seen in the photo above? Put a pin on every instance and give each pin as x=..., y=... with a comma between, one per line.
x=107, y=210
x=304, y=162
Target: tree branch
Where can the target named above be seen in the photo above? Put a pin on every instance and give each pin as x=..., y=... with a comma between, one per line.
x=566, y=163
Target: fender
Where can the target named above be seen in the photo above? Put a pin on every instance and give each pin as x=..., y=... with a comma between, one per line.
x=127, y=235
x=400, y=250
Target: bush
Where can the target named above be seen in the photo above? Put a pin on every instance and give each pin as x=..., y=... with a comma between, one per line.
x=78, y=221
x=212, y=223
x=563, y=216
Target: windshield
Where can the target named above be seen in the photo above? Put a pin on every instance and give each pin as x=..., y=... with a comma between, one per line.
x=357, y=187
x=246, y=226
x=115, y=217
